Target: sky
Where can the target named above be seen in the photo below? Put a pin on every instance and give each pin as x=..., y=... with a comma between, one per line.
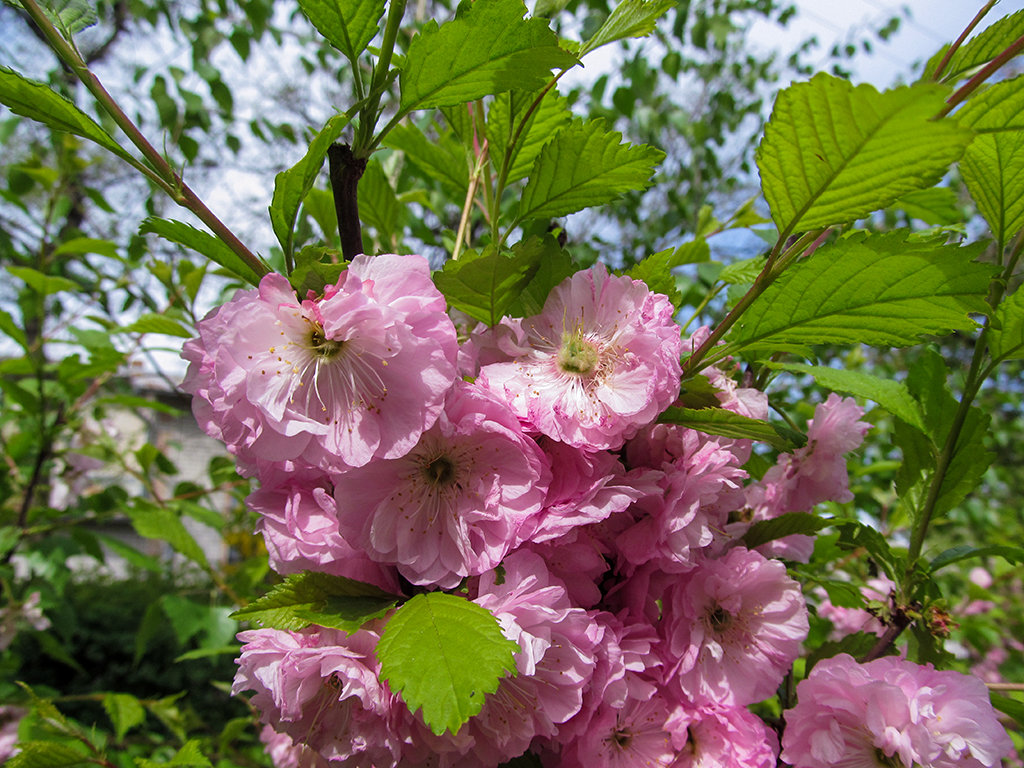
x=930, y=24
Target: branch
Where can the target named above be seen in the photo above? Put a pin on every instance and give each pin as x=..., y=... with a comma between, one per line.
x=346, y=169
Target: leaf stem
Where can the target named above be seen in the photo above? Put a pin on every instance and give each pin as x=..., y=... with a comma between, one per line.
x=982, y=75
x=160, y=171
x=963, y=36
x=777, y=263
x=467, y=206
x=364, y=142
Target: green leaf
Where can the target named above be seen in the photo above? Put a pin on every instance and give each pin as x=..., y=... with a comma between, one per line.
x=656, y=269
x=153, y=522
x=189, y=756
x=348, y=25
x=854, y=535
x=888, y=393
x=857, y=645
x=583, y=165
x=291, y=186
x=488, y=48
x=937, y=206
x=125, y=712
x=318, y=598
x=1006, y=338
x=46, y=754
x=504, y=117
x=984, y=46
x=485, y=284
x=718, y=421
x=378, y=204
x=779, y=527
x=315, y=268
x=884, y=289
x=202, y=243
x=153, y=323
x=37, y=101
x=1014, y=555
x=631, y=18
x=87, y=245
x=993, y=170
x=555, y=266
x=443, y=654
x=69, y=16
x=832, y=153
x=442, y=159
x=42, y=284
x=1012, y=708
x=1000, y=107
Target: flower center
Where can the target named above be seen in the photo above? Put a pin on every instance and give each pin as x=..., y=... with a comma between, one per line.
x=718, y=618
x=886, y=761
x=621, y=736
x=322, y=347
x=577, y=356
x=440, y=471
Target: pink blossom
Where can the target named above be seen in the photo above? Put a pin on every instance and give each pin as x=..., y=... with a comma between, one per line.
x=333, y=382
x=299, y=523
x=722, y=737
x=321, y=687
x=860, y=715
x=454, y=505
x=602, y=361
x=735, y=625
x=285, y=753
x=635, y=734
x=10, y=719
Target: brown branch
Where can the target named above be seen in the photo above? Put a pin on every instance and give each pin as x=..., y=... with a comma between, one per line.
x=346, y=170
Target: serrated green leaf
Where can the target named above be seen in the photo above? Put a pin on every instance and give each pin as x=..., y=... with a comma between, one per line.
x=1014, y=555
x=854, y=535
x=1006, y=337
x=631, y=18
x=789, y=524
x=152, y=323
x=46, y=754
x=202, y=243
x=937, y=206
x=315, y=268
x=884, y=289
x=378, y=204
x=1000, y=107
x=189, y=756
x=984, y=46
x=718, y=421
x=993, y=170
x=442, y=159
x=857, y=645
x=291, y=186
x=37, y=101
x=153, y=522
x=167, y=712
x=41, y=283
x=125, y=712
x=488, y=48
x=888, y=393
x=348, y=25
x=555, y=266
x=584, y=165
x=485, y=284
x=656, y=269
x=442, y=654
x=743, y=271
x=832, y=153
x=504, y=118
x=318, y=598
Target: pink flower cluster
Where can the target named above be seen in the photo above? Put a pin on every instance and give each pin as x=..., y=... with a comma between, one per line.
x=526, y=465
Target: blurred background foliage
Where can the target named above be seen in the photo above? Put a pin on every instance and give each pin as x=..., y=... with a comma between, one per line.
x=121, y=620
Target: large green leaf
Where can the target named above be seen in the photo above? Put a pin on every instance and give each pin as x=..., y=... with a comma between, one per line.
x=442, y=654
x=348, y=25
x=202, y=243
x=984, y=46
x=1000, y=107
x=1006, y=339
x=833, y=153
x=584, y=165
x=485, y=284
x=488, y=48
x=291, y=186
x=504, y=117
x=68, y=16
x=656, y=269
x=125, y=712
x=48, y=754
x=154, y=522
x=631, y=18
x=718, y=421
x=789, y=524
x=37, y=101
x=888, y=393
x=41, y=283
x=318, y=598
x=993, y=170
x=874, y=289
x=442, y=159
